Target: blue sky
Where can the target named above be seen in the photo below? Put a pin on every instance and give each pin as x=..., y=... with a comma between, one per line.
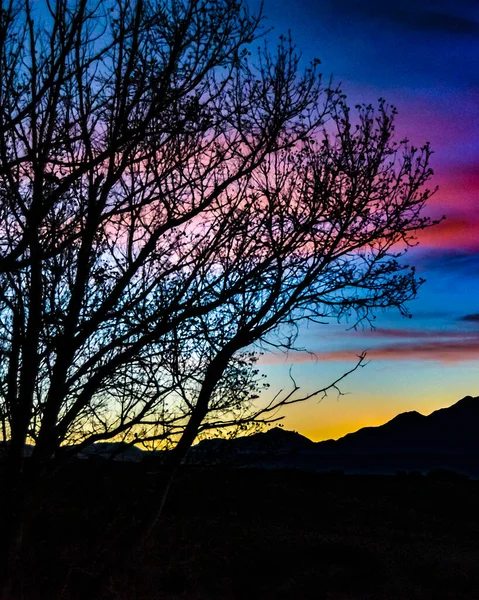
x=423, y=57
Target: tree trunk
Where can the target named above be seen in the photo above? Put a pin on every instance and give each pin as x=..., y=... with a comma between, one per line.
x=13, y=512
x=17, y=508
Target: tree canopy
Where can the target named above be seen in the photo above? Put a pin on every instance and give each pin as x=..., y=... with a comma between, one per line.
x=173, y=194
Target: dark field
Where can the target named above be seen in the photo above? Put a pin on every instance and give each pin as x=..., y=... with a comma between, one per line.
x=237, y=534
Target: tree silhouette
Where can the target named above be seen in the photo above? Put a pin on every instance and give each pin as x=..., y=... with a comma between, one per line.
x=172, y=197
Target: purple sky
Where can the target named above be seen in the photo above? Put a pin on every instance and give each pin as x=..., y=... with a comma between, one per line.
x=423, y=57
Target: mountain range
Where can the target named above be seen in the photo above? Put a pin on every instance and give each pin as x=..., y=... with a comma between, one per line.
x=448, y=438
x=451, y=431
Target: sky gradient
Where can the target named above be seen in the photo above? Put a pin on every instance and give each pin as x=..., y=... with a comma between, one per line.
x=423, y=57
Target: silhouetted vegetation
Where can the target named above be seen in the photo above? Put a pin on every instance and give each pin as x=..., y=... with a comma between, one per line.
x=238, y=534
x=169, y=204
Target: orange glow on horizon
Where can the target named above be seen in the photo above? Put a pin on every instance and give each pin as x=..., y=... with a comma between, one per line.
x=323, y=431
x=327, y=425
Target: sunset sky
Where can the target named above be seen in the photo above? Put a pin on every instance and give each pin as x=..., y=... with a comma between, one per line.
x=423, y=57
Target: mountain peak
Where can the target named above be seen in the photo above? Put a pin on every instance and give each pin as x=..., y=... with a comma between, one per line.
x=279, y=432
x=278, y=437
x=467, y=401
x=463, y=406
x=451, y=430
x=448, y=431
x=411, y=416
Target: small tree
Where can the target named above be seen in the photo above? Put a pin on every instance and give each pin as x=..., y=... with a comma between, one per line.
x=168, y=203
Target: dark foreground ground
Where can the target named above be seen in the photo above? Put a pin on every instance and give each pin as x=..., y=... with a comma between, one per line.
x=246, y=534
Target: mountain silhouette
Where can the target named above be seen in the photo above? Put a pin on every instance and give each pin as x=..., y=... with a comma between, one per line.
x=447, y=431
x=452, y=430
x=275, y=441
x=118, y=451
x=449, y=434
x=280, y=439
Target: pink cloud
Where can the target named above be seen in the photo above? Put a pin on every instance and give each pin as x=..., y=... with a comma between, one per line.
x=458, y=188
x=415, y=333
x=457, y=231
x=445, y=351
x=448, y=350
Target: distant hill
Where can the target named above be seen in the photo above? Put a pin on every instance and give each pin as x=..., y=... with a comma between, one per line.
x=274, y=441
x=452, y=430
x=118, y=451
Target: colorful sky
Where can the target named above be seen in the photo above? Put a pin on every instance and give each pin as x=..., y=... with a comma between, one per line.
x=423, y=57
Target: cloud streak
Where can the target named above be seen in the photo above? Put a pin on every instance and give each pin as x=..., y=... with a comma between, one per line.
x=456, y=231
x=445, y=351
x=471, y=318
x=443, y=347
x=447, y=261
x=421, y=15
x=425, y=20
x=421, y=334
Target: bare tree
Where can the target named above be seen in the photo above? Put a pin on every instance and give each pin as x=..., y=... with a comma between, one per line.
x=169, y=205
